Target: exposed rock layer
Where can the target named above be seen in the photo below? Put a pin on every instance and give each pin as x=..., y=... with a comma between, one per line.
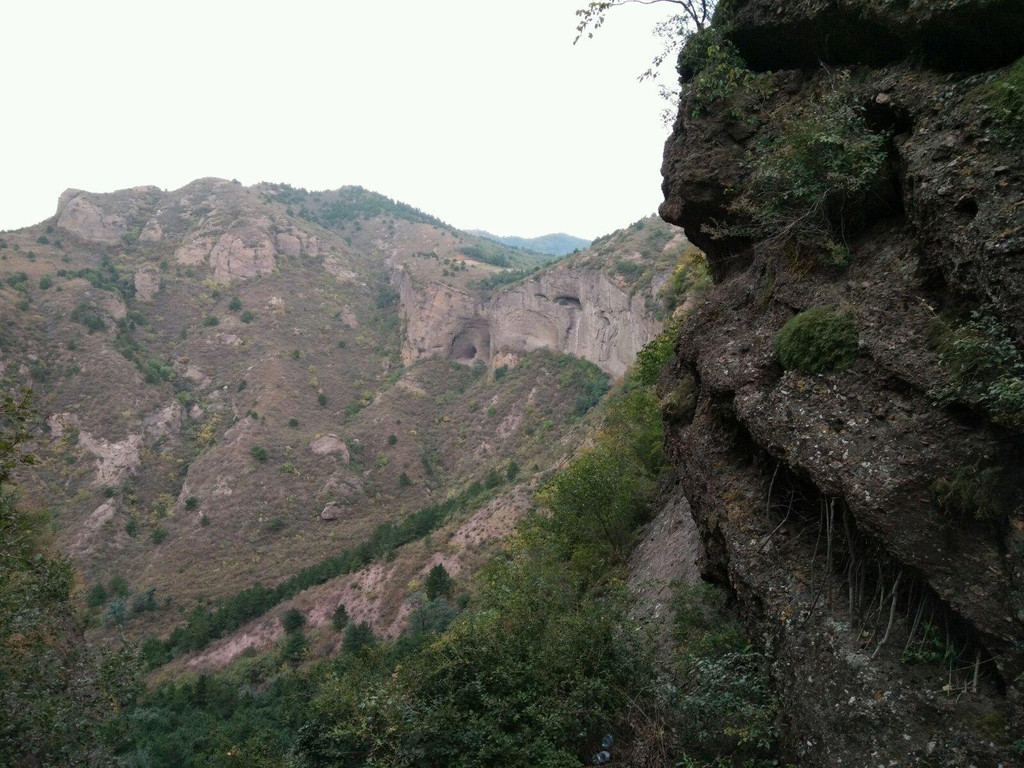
x=771, y=461
x=575, y=310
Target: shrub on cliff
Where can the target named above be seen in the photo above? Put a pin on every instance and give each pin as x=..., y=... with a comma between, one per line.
x=712, y=68
x=976, y=493
x=820, y=339
x=812, y=179
x=985, y=370
x=1004, y=96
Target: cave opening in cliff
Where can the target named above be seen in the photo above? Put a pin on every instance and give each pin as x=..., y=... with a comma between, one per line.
x=470, y=344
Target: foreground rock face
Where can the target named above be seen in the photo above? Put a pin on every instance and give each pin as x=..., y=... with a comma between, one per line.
x=814, y=494
x=574, y=310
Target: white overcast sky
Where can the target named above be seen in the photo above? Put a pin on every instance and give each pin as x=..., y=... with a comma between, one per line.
x=480, y=112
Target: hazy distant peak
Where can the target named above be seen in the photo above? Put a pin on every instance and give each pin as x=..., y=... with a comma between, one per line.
x=556, y=244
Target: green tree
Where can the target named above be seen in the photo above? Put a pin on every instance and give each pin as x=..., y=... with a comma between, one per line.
x=97, y=596
x=293, y=620
x=339, y=618
x=358, y=637
x=438, y=583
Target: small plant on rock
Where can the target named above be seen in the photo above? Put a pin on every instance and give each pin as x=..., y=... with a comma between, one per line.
x=821, y=339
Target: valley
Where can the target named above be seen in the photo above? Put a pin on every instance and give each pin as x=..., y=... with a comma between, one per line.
x=229, y=392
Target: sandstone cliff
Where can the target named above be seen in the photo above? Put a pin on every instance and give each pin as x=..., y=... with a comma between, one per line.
x=817, y=494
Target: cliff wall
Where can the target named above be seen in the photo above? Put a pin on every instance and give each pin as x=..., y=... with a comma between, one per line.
x=824, y=498
x=575, y=310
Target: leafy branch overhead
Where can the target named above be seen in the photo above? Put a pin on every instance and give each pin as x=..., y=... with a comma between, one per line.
x=696, y=14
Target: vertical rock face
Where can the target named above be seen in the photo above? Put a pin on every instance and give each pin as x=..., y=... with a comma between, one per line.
x=147, y=283
x=578, y=311
x=435, y=315
x=245, y=251
x=82, y=218
x=773, y=461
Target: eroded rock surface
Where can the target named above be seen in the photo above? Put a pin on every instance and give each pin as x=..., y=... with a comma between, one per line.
x=772, y=461
x=578, y=311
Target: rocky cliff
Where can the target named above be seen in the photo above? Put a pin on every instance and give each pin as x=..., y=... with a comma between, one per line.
x=867, y=514
x=581, y=306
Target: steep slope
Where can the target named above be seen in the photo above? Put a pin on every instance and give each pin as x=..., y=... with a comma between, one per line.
x=852, y=477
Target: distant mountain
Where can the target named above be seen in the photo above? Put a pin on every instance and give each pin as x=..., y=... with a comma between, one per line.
x=558, y=244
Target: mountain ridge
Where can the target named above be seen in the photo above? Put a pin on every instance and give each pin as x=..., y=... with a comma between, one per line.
x=554, y=244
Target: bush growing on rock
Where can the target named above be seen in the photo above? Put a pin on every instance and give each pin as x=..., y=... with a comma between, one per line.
x=713, y=69
x=812, y=179
x=976, y=493
x=985, y=370
x=1004, y=96
x=819, y=340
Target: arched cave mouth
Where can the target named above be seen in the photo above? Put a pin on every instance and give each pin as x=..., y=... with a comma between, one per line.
x=470, y=344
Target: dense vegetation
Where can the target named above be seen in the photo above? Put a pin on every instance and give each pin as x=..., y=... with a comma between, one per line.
x=984, y=370
x=57, y=694
x=530, y=663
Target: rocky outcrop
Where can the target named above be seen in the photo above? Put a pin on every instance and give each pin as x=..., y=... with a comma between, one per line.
x=152, y=232
x=575, y=310
x=147, y=283
x=79, y=216
x=440, y=319
x=957, y=35
x=327, y=445
x=772, y=461
x=245, y=251
x=581, y=312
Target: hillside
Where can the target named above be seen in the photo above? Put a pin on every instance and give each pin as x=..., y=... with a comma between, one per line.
x=227, y=394
x=555, y=244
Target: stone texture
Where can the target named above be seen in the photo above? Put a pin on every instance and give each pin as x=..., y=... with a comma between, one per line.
x=245, y=251
x=865, y=445
x=336, y=268
x=325, y=445
x=147, y=283
x=152, y=232
x=289, y=245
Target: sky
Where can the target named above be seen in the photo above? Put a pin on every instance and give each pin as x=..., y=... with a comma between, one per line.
x=481, y=113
